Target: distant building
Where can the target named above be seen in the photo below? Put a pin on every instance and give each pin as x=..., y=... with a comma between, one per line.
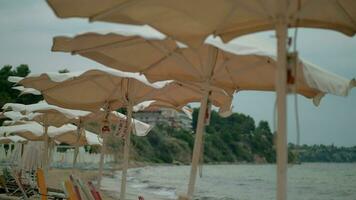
x=167, y=116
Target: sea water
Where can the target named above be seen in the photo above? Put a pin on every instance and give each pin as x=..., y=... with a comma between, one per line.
x=308, y=181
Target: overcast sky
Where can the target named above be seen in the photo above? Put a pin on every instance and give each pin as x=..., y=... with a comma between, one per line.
x=27, y=28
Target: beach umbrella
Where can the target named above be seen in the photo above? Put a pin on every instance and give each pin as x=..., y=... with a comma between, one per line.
x=34, y=131
x=93, y=90
x=120, y=122
x=12, y=139
x=47, y=115
x=82, y=118
x=192, y=21
x=120, y=91
x=212, y=65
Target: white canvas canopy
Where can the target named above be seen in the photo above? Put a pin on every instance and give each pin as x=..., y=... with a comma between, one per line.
x=35, y=132
x=192, y=22
x=42, y=112
x=94, y=90
x=12, y=139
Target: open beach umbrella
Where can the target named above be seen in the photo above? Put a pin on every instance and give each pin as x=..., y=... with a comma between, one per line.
x=212, y=65
x=192, y=21
x=34, y=131
x=82, y=118
x=94, y=90
x=12, y=139
x=119, y=121
x=77, y=117
x=119, y=93
x=47, y=115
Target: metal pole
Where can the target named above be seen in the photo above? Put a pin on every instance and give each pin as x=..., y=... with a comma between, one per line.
x=126, y=152
x=281, y=89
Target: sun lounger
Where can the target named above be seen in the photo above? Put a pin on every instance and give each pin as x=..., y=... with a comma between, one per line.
x=93, y=191
x=43, y=190
x=69, y=189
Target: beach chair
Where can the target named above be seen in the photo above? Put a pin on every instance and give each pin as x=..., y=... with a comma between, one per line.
x=16, y=185
x=19, y=183
x=3, y=184
x=95, y=193
x=86, y=192
x=43, y=190
x=69, y=189
x=76, y=187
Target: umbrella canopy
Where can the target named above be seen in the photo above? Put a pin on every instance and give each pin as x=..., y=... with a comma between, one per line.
x=42, y=112
x=65, y=134
x=192, y=21
x=234, y=67
x=111, y=88
x=12, y=139
x=94, y=90
x=115, y=118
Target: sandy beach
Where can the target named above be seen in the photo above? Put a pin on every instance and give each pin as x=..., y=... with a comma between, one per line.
x=57, y=176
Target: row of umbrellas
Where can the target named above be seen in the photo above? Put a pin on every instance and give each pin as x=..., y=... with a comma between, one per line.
x=206, y=66
x=46, y=122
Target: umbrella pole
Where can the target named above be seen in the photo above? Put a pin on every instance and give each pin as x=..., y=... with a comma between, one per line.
x=45, y=151
x=76, y=149
x=197, y=144
x=126, y=152
x=281, y=88
x=101, y=162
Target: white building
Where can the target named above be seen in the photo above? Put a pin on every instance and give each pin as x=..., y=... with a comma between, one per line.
x=167, y=116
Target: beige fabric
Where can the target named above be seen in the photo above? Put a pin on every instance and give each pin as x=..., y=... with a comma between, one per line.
x=192, y=21
x=42, y=113
x=92, y=90
x=95, y=89
x=116, y=118
x=64, y=134
x=179, y=94
x=12, y=139
x=237, y=67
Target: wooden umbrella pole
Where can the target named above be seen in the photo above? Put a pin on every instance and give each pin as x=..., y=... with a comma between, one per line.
x=281, y=88
x=126, y=152
x=101, y=162
x=197, y=144
x=76, y=149
x=45, y=150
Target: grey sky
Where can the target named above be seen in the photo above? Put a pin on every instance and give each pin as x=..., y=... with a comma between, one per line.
x=27, y=28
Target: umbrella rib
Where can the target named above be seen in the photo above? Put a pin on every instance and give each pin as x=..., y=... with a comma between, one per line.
x=228, y=71
x=297, y=11
x=225, y=19
x=175, y=54
x=346, y=13
x=166, y=56
x=111, y=10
